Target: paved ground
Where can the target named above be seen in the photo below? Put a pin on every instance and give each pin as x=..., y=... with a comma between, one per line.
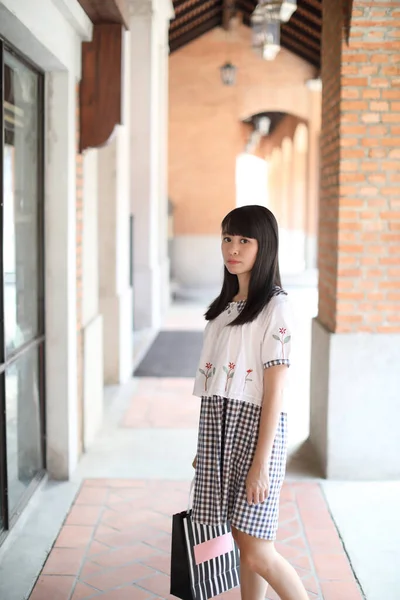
x=116, y=539
x=137, y=474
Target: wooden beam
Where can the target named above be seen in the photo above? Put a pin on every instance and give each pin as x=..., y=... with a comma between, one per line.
x=189, y=35
x=107, y=11
x=292, y=29
x=212, y=16
x=203, y=7
x=348, y=11
x=100, y=87
x=227, y=13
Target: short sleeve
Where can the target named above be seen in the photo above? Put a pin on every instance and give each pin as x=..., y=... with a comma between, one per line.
x=277, y=338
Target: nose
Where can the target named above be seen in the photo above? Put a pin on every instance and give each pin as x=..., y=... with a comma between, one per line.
x=234, y=251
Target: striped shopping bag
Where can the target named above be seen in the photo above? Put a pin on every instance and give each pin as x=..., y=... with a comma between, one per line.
x=204, y=559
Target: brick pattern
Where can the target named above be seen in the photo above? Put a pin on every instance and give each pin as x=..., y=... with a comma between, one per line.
x=359, y=249
x=205, y=131
x=330, y=160
x=79, y=278
x=157, y=402
x=115, y=543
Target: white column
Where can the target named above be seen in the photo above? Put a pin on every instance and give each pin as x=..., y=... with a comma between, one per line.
x=114, y=256
x=314, y=125
x=148, y=26
x=92, y=321
x=164, y=258
x=60, y=207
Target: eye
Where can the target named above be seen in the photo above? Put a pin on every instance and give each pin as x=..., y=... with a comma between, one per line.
x=244, y=241
x=226, y=239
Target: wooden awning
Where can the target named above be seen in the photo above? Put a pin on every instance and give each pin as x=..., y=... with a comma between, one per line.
x=106, y=11
x=100, y=94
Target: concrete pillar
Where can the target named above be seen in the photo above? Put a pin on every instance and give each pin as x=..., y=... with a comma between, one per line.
x=298, y=198
x=355, y=378
x=285, y=200
x=313, y=169
x=163, y=67
x=114, y=166
x=148, y=139
x=60, y=219
x=274, y=163
x=92, y=320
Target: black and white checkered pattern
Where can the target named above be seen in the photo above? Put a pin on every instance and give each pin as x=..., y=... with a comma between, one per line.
x=277, y=361
x=239, y=306
x=228, y=434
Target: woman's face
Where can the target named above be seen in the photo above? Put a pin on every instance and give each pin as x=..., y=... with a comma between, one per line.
x=239, y=253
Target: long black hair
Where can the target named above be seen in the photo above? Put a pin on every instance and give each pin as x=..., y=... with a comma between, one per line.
x=259, y=223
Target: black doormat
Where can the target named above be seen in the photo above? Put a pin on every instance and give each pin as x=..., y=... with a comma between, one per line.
x=173, y=354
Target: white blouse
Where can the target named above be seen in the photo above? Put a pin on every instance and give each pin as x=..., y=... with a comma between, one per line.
x=233, y=359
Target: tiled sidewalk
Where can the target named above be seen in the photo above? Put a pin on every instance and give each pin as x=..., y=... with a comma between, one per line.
x=116, y=540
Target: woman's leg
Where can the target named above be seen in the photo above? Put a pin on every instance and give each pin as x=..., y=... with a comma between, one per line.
x=252, y=585
x=260, y=557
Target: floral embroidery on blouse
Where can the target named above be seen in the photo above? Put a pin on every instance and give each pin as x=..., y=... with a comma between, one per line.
x=229, y=373
x=282, y=339
x=247, y=377
x=208, y=372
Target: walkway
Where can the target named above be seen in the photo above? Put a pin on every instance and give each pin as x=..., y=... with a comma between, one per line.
x=115, y=542
x=109, y=528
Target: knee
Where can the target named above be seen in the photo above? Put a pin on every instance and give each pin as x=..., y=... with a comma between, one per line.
x=259, y=560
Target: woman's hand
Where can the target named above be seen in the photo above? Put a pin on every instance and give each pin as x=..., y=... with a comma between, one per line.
x=194, y=463
x=257, y=483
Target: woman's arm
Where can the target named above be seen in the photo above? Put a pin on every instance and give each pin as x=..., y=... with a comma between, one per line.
x=258, y=479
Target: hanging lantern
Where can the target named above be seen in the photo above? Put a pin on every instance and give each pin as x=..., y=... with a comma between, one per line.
x=266, y=25
x=228, y=73
x=284, y=8
x=272, y=41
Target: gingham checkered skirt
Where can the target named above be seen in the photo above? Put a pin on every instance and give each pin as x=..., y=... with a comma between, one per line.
x=228, y=433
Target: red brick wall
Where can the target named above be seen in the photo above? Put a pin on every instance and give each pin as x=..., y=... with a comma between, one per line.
x=330, y=160
x=79, y=279
x=206, y=134
x=359, y=249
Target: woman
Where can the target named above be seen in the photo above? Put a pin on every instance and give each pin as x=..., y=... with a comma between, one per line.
x=242, y=381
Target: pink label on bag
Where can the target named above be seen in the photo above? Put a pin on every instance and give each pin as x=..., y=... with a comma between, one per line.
x=213, y=548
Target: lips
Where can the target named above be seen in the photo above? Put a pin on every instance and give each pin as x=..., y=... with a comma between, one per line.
x=233, y=262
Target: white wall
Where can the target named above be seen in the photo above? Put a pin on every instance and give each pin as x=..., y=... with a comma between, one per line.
x=92, y=321
x=50, y=33
x=114, y=254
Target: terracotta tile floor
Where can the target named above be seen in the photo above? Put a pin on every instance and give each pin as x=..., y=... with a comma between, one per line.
x=115, y=543
x=166, y=403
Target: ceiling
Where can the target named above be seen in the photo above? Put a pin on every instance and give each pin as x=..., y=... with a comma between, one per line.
x=301, y=35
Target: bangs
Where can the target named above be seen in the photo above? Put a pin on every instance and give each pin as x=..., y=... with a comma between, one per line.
x=240, y=222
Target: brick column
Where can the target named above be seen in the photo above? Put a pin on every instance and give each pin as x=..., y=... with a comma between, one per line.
x=355, y=379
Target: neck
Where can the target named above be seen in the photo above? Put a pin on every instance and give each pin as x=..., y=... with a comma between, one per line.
x=244, y=281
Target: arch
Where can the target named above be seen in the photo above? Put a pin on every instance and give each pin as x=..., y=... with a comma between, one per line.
x=287, y=155
x=251, y=180
x=275, y=182
x=255, y=103
x=300, y=138
x=298, y=209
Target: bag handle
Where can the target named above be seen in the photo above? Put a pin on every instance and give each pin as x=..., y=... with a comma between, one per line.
x=189, y=508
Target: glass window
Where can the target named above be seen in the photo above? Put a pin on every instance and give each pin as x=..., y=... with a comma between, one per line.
x=21, y=285
x=20, y=209
x=24, y=450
